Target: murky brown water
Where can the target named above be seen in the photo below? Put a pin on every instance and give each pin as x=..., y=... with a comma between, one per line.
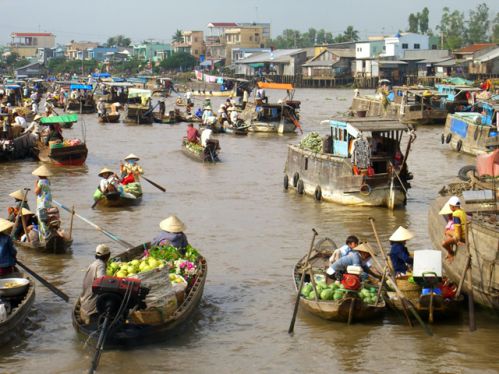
x=252, y=233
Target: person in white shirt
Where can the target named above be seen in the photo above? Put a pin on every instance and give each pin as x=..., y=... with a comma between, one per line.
x=208, y=117
x=188, y=96
x=34, y=102
x=34, y=127
x=206, y=135
x=20, y=121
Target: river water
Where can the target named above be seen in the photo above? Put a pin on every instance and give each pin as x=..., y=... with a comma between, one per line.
x=252, y=233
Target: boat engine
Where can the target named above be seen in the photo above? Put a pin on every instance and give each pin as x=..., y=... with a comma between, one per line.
x=351, y=279
x=118, y=295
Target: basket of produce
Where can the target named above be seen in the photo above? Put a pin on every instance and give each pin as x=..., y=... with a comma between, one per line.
x=410, y=289
x=312, y=142
x=13, y=286
x=56, y=144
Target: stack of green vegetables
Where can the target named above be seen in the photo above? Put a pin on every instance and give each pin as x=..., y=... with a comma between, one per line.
x=336, y=291
x=312, y=142
x=194, y=147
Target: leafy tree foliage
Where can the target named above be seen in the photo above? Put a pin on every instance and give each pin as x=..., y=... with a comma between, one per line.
x=179, y=61
x=477, y=24
x=118, y=41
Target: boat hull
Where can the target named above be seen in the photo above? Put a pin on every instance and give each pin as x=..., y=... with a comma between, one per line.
x=19, y=148
x=56, y=244
x=119, y=202
x=109, y=118
x=65, y=156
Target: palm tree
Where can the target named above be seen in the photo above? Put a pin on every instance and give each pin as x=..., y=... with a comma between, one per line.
x=177, y=37
x=118, y=41
x=351, y=34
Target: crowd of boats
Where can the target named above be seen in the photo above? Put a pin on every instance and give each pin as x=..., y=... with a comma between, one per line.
x=362, y=159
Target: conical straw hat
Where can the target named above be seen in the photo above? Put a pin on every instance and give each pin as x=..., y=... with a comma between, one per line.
x=131, y=156
x=445, y=210
x=26, y=212
x=5, y=225
x=42, y=171
x=363, y=248
x=172, y=224
x=18, y=195
x=105, y=170
x=401, y=235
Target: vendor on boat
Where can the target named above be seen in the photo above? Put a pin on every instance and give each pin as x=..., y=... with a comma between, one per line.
x=350, y=244
x=208, y=118
x=399, y=255
x=34, y=126
x=459, y=219
x=55, y=134
x=18, y=199
x=192, y=134
x=97, y=269
x=207, y=138
x=7, y=251
x=43, y=196
x=172, y=234
x=31, y=224
x=108, y=182
x=360, y=256
x=101, y=108
x=449, y=227
x=162, y=108
x=131, y=169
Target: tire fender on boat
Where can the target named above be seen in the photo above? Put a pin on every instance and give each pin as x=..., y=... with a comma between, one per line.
x=476, y=133
x=300, y=187
x=286, y=182
x=443, y=138
x=448, y=138
x=365, y=189
x=459, y=145
x=296, y=177
x=318, y=193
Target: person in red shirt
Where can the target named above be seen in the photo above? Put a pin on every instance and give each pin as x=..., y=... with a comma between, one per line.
x=192, y=134
x=129, y=178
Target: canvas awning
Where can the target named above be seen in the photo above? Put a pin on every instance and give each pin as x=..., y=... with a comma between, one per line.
x=67, y=118
x=139, y=92
x=275, y=86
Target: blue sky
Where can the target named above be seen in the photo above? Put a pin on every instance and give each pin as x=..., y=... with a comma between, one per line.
x=96, y=20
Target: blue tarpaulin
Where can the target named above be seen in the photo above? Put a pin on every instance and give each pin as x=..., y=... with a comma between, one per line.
x=458, y=127
x=101, y=75
x=81, y=87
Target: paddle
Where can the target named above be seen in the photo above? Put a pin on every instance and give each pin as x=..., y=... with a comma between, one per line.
x=43, y=281
x=153, y=183
x=297, y=302
x=105, y=232
x=95, y=203
x=19, y=214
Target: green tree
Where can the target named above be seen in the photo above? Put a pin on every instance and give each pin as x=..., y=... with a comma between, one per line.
x=478, y=24
x=452, y=28
x=350, y=34
x=177, y=37
x=424, y=20
x=413, y=23
x=118, y=41
x=495, y=29
x=179, y=61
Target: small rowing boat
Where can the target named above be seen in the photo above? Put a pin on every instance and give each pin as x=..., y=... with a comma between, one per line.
x=199, y=153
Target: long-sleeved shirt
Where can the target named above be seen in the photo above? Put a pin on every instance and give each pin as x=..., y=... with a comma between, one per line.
x=176, y=239
x=205, y=136
x=352, y=258
x=399, y=255
x=459, y=218
x=7, y=251
x=88, y=300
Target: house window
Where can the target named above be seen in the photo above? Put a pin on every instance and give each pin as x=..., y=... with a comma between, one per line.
x=433, y=46
x=250, y=38
x=405, y=46
x=417, y=46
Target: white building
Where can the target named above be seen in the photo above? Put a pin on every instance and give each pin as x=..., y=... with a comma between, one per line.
x=397, y=44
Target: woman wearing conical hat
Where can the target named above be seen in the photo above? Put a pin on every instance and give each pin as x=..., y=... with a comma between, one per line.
x=172, y=234
x=7, y=251
x=131, y=169
x=43, y=195
x=399, y=254
x=18, y=197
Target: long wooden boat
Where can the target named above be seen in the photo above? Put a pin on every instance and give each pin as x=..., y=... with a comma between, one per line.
x=473, y=132
x=236, y=130
x=138, y=114
x=21, y=306
x=483, y=241
x=70, y=155
x=83, y=104
x=132, y=334
x=198, y=153
x=410, y=106
x=329, y=175
x=18, y=147
x=333, y=310
x=56, y=244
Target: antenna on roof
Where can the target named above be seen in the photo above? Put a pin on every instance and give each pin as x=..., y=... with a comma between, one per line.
x=256, y=13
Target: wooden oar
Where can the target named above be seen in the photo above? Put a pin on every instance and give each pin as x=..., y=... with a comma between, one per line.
x=95, y=203
x=297, y=303
x=154, y=184
x=43, y=281
x=19, y=214
x=105, y=232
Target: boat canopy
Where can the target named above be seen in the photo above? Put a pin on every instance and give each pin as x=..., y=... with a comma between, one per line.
x=139, y=92
x=67, y=118
x=117, y=84
x=12, y=86
x=80, y=86
x=101, y=75
x=275, y=86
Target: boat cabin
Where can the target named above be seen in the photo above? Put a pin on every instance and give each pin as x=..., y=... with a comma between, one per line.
x=373, y=145
x=283, y=109
x=460, y=96
x=113, y=92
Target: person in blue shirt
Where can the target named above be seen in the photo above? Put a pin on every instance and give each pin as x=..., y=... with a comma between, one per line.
x=399, y=255
x=172, y=234
x=7, y=251
x=358, y=256
x=351, y=242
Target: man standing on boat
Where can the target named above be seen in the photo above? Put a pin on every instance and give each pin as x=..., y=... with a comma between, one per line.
x=97, y=269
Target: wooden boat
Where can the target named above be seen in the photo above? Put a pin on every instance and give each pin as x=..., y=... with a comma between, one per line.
x=409, y=105
x=333, y=310
x=134, y=334
x=70, y=155
x=17, y=146
x=473, y=132
x=20, y=308
x=85, y=103
x=238, y=129
x=56, y=244
x=136, y=112
x=114, y=199
x=329, y=175
x=198, y=153
x=175, y=116
x=483, y=239
x=109, y=118
x=112, y=92
x=281, y=117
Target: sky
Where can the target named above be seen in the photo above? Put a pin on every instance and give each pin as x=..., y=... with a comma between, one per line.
x=96, y=20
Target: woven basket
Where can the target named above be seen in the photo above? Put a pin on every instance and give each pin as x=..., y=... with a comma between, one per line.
x=410, y=290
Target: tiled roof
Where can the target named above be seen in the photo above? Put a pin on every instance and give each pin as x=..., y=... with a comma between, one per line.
x=475, y=47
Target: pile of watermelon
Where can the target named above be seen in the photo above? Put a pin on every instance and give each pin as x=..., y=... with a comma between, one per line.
x=336, y=291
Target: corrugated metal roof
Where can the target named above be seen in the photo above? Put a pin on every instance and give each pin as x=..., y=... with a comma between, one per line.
x=222, y=24
x=449, y=62
x=279, y=55
x=425, y=54
x=491, y=55
x=372, y=124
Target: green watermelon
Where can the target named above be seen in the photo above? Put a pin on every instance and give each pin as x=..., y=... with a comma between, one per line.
x=327, y=294
x=306, y=289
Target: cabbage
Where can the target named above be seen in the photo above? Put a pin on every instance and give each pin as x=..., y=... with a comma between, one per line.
x=306, y=289
x=327, y=294
x=311, y=296
x=337, y=295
